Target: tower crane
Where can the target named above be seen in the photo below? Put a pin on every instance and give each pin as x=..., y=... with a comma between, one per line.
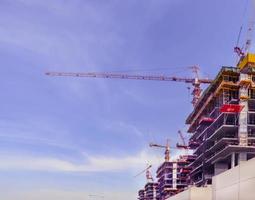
x=195, y=82
x=242, y=51
x=148, y=174
x=166, y=147
x=183, y=145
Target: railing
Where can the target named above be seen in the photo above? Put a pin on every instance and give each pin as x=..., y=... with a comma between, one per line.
x=252, y=91
x=214, y=114
x=200, y=149
x=198, y=180
x=225, y=142
x=196, y=167
x=208, y=176
x=251, y=134
x=251, y=118
x=251, y=143
x=251, y=103
x=224, y=119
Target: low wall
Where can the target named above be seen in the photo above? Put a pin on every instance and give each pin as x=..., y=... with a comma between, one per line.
x=237, y=183
x=194, y=193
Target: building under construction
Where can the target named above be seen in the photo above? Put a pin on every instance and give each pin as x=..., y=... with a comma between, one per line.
x=150, y=192
x=173, y=176
x=141, y=194
x=223, y=122
x=222, y=128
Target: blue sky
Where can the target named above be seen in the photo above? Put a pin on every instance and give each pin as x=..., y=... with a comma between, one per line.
x=66, y=138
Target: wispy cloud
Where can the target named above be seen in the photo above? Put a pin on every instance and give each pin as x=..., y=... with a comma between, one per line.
x=35, y=131
x=91, y=163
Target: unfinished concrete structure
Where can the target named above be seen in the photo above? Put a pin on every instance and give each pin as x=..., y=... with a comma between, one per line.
x=235, y=184
x=141, y=195
x=223, y=122
x=150, y=192
x=173, y=176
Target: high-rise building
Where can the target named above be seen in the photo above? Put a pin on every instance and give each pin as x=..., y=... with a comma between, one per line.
x=222, y=123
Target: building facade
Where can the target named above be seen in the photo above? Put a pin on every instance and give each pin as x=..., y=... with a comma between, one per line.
x=150, y=192
x=222, y=123
x=173, y=176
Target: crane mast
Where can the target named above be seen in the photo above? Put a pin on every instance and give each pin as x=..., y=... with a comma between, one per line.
x=166, y=147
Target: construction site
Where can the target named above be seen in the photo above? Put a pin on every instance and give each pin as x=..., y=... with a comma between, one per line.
x=222, y=137
x=222, y=128
x=125, y=100
x=220, y=152
x=222, y=140
x=222, y=134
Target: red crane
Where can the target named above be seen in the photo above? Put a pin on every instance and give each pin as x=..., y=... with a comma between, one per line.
x=196, y=82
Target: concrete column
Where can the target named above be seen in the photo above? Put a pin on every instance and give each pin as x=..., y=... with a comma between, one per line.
x=174, y=175
x=232, y=160
x=242, y=157
x=243, y=95
x=220, y=167
x=154, y=193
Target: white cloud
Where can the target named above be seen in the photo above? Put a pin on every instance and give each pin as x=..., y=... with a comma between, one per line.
x=92, y=163
x=132, y=164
